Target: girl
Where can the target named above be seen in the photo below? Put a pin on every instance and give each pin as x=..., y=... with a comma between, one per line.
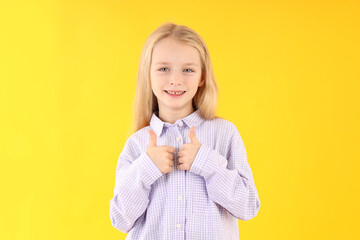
x=183, y=173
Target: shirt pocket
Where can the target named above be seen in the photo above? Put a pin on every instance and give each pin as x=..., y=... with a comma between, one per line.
x=199, y=195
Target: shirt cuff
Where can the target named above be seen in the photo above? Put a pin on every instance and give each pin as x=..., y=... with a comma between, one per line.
x=150, y=171
x=207, y=162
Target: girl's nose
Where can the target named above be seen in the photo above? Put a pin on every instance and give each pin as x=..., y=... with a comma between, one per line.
x=175, y=79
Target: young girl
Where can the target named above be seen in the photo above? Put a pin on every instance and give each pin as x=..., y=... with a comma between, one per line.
x=183, y=173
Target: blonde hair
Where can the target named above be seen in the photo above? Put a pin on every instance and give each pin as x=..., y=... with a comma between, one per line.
x=145, y=102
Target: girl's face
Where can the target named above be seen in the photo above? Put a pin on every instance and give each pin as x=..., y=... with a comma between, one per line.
x=175, y=66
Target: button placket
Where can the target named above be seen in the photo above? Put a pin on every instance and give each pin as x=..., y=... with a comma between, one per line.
x=180, y=203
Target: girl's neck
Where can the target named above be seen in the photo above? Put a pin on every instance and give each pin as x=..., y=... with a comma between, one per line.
x=171, y=116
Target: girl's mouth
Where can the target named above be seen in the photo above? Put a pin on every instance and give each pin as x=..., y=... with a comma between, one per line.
x=175, y=94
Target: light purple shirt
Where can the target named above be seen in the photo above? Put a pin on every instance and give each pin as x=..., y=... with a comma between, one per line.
x=202, y=203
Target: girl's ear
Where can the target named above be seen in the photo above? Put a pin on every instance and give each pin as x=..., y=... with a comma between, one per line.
x=202, y=81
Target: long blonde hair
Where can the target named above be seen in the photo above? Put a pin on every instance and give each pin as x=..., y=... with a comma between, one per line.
x=145, y=102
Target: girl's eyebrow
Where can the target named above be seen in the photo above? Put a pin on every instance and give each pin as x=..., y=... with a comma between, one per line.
x=185, y=64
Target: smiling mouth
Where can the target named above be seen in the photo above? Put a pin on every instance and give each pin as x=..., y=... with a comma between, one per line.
x=175, y=94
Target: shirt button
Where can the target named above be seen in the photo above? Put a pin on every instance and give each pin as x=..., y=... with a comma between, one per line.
x=179, y=197
x=178, y=139
x=181, y=124
x=178, y=226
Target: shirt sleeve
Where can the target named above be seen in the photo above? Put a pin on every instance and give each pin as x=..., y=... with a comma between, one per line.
x=229, y=180
x=135, y=173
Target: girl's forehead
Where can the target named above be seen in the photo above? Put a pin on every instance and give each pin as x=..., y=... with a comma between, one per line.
x=171, y=51
x=168, y=45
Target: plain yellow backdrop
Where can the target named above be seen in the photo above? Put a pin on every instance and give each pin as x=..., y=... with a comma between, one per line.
x=288, y=76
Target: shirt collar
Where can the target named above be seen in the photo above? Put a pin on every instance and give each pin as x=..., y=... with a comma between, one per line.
x=192, y=120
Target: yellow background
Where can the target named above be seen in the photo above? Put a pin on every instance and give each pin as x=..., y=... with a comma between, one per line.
x=288, y=76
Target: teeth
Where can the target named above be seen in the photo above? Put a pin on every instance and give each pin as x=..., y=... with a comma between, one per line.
x=175, y=93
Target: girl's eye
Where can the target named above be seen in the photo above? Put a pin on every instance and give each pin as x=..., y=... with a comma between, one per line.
x=167, y=68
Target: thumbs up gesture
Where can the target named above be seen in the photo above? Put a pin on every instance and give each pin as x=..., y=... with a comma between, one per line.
x=162, y=156
x=188, y=151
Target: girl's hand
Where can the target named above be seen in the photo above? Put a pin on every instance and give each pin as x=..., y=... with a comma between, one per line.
x=188, y=151
x=162, y=156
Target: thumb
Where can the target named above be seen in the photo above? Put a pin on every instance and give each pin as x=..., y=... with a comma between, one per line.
x=192, y=136
x=153, y=139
